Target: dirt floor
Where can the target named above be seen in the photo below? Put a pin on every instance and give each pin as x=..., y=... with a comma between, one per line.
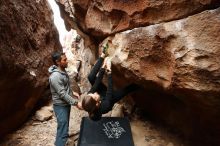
x=35, y=133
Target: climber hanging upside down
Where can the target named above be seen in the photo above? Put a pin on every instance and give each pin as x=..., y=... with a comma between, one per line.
x=100, y=99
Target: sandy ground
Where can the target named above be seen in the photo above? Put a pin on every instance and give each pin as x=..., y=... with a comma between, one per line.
x=35, y=133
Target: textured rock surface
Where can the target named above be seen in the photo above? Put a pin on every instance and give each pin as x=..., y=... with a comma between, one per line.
x=45, y=113
x=35, y=133
x=178, y=65
x=80, y=59
x=27, y=37
x=101, y=18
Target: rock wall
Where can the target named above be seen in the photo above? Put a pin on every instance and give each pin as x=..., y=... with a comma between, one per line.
x=170, y=48
x=178, y=65
x=102, y=18
x=27, y=38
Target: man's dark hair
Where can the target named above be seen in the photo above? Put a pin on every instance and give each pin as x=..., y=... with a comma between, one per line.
x=56, y=56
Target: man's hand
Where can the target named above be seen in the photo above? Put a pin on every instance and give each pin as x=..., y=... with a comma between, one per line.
x=76, y=94
x=79, y=106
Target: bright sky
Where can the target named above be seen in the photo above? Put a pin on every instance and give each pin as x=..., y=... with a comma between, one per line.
x=58, y=20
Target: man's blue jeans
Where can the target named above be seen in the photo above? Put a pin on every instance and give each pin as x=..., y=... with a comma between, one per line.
x=63, y=115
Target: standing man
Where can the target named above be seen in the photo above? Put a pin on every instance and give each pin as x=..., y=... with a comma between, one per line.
x=62, y=96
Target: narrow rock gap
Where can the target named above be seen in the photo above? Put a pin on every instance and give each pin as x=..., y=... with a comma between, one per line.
x=180, y=85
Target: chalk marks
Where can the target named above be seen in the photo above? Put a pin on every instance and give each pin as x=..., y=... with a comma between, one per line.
x=113, y=129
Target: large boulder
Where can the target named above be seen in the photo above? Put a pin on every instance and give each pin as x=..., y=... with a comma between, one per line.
x=104, y=17
x=178, y=65
x=27, y=36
